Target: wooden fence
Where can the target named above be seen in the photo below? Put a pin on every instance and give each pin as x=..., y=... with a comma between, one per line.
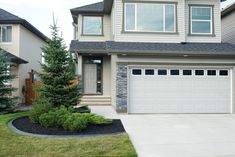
x=30, y=93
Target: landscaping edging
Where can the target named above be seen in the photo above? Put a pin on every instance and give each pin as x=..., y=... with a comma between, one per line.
x=16, y=130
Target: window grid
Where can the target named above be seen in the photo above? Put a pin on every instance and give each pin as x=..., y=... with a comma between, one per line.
x=194, y=20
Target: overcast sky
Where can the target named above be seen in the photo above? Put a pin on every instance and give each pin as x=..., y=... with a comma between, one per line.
x=40, y=12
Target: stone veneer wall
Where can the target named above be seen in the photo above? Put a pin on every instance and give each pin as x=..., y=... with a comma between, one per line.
x=121, y=88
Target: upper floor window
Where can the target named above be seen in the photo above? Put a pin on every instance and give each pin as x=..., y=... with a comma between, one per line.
x=5, y=34
x=92, y=25
x=150, y=17
x=201, y=20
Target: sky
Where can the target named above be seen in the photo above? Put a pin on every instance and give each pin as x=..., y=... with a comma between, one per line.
x=40, y=13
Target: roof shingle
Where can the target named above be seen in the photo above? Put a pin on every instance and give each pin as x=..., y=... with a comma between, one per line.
x=152, y=48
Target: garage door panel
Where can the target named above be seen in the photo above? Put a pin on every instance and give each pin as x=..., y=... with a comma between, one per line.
x=179, y=94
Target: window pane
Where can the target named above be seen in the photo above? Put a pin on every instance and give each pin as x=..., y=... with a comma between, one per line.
x=201, y=27
x=149, y=72
x=211, y=72
x=201, y=13
x=130, y=17
x=175, y=72
x=136, y=71
x=162, y=72
x=199, y=72
x=187, y=72
x=6, y=33
x=150, y=17
x=170, y=18
x=223, y=72
x=92, y=25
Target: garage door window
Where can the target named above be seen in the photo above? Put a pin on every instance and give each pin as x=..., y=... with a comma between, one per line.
x=223, y=72
x=175, y=72
x=162, y=72
x=149, y=71
x=136, y=72
x=187, y=72
x=211, y=72
x=199, y=72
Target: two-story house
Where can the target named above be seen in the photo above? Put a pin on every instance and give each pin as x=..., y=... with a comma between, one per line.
x=228, y=24
x=23, y=43
x=154, y=56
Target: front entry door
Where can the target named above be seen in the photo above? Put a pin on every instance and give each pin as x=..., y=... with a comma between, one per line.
x=90, y=78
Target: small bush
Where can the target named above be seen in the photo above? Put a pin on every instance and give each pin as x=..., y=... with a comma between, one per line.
x=61, y=115
x=96, y=119
x=48, y=119
x=75, y=122
x=69, y=120
x=39, y=107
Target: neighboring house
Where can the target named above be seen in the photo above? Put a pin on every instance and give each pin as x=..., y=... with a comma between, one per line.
x=228, y=24
x=154, y=56
x=22, y=40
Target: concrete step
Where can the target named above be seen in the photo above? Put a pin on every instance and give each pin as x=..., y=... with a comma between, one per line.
x=95, y=103
x=95, y=100
x=96, y=97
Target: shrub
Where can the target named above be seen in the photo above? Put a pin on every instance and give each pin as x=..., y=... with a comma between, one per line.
x=39, y=107
x=75, y=122
x=69, y=120
x=48, y=119
x=61, y=114
x=96, y=119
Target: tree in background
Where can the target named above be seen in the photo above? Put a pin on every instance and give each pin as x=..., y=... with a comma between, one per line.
x=7, y=101
x=57, y=73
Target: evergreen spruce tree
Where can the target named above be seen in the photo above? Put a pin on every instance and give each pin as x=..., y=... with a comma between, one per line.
x=57, y=73
x=7, y=101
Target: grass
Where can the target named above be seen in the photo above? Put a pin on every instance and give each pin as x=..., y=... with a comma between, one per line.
x=14, y=145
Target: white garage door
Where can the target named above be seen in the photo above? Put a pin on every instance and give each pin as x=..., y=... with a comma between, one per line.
x=179, y=90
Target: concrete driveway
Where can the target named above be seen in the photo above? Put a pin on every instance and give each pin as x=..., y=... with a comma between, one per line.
x=179, y=135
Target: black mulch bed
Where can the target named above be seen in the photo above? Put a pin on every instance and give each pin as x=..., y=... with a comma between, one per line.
x=25, y=125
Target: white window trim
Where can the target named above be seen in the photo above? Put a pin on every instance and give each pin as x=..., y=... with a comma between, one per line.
x=211, y=20
x=5, y=25
x=164, y=18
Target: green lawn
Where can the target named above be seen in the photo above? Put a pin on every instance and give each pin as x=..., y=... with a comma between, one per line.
x=12, y=144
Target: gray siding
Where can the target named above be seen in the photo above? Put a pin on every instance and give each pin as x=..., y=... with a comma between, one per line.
x=228, y=28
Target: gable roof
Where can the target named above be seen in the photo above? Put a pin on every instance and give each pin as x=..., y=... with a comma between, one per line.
x=95, y=8
x=228, y=10
x=9, y=18
x=153, y=48
x=12, y=58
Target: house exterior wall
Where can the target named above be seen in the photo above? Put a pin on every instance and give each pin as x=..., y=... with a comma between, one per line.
x=30, y=52
x=13, y=47
x=27, y=46
x=113, y=25
x=106, y=30
x=106, y=76
x=149, y=37
x=228, y=28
